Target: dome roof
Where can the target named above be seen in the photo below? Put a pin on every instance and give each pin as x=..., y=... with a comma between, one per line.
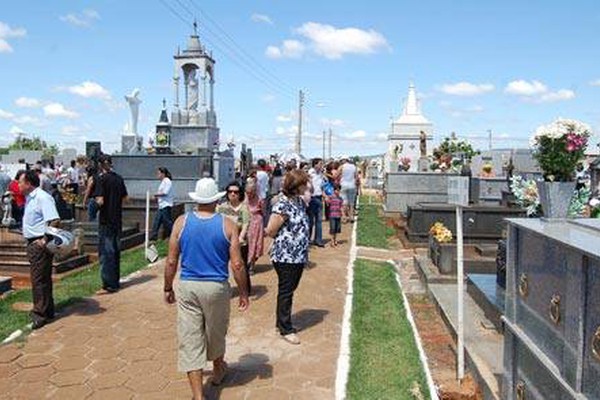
x=194, y=45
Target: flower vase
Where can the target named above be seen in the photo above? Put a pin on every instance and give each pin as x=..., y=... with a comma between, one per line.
x=555, y=198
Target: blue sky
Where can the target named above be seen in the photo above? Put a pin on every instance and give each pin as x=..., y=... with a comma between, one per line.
x=508, y=66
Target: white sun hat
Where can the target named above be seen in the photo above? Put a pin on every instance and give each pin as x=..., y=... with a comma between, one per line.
x=206, y=192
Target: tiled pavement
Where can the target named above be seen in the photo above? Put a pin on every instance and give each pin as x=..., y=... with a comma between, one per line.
x=123, y=346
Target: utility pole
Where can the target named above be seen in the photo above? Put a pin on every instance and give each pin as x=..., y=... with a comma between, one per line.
x=324, y=145
x=490, y=139
x=330, y=134
x=299, y=134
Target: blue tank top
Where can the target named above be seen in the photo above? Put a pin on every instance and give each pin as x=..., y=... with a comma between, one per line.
x=204, y=249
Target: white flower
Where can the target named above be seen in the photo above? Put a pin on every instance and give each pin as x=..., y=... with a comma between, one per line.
x=558, y=129
x=594, y=202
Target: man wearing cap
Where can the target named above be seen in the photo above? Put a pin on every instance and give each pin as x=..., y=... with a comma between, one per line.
x=40, y=211
x=206, y=243
x=110, y=195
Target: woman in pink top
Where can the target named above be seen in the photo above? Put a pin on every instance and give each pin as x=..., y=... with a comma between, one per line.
x=256, y=232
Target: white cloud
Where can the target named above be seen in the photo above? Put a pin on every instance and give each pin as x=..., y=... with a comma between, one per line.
x=559, y=95
x=357, y=134
x=329, y=42
x=466, y=88
x=6, y=115
x=524, y=88
x=285, y=118
x=58, y=110
x=27, y=102
x=595, y=83
x=538, y=92
x=29, y=120
x=6, y=32
x=73, y=130
x=333, y=43
x=84, y=19
x=332, y=122
x=382, y=136
x=15, y=130
x=288, y=49
x=261, y=18
x=90, y=89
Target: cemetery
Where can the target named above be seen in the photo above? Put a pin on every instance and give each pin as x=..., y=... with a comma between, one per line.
x=425, y=260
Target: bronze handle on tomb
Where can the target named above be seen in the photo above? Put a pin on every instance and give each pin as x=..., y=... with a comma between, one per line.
x=520, y=390
x=555, y=309
x=523, y=285
x=596, y=344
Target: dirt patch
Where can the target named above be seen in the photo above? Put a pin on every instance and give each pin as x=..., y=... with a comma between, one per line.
x=441, y=351
x=22, y=306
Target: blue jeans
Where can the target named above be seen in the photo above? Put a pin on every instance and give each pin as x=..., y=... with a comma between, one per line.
x=92, y=210
x=109, y=249
x=162, y=217
x=315, y=216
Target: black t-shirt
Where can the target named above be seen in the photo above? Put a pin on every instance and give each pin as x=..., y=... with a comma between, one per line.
x=111, y=187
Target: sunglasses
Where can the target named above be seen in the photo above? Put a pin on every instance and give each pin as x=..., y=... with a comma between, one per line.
x=233, y=191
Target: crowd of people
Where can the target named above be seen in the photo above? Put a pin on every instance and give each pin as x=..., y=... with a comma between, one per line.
x=226, y=230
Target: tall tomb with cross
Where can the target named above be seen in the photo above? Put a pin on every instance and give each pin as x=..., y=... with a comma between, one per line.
x=193, y=126
x=410, y=135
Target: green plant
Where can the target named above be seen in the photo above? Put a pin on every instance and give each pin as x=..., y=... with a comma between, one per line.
x=558, y=147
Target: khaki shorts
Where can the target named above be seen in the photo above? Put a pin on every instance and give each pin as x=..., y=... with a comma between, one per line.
x=202, y=322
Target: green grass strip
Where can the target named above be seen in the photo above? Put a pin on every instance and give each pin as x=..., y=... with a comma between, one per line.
x=372, y=231
x=384, y=360
x=70, y=289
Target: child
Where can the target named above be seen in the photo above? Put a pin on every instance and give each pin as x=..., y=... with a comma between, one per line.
x=335, y=214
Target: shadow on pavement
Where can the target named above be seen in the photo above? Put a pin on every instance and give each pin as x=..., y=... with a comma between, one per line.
x=258, y=291
x=137, y=280
x=248, y=368
x=79, y=306
x=260, y=268
x=305, y=319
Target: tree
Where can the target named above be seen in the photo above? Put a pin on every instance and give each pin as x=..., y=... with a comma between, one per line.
x=35, y=143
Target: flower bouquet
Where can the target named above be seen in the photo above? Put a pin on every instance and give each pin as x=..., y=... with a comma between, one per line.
x=440, y=232
x=558, y=148
x=404, y=163
x=526, y=194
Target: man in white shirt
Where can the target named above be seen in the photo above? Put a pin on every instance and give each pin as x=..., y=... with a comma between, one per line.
x=262, y=179
x=165, y=199
x=73, y=175
x=315, y=207
x=40, y=211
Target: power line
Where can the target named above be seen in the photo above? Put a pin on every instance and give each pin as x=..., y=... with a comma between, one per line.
x=228, y=51
x=248, y=56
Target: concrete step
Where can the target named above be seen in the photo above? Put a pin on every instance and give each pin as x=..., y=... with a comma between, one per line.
x=5, y=284
x=127, y=242
x=480, y=265
x=21, y=266
x=486, y=250
x=15, y=255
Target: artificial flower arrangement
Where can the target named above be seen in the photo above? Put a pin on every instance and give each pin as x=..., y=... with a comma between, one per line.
x=558, y=147
x=526, y=194
x=405, y=163
x=527, y=197
x=451, y=154
x=440, y=232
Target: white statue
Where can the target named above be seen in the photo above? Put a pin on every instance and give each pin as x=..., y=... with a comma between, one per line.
x=134, y=106
x=193, y=91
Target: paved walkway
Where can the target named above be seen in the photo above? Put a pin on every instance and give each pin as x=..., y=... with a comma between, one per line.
x=123, y=346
